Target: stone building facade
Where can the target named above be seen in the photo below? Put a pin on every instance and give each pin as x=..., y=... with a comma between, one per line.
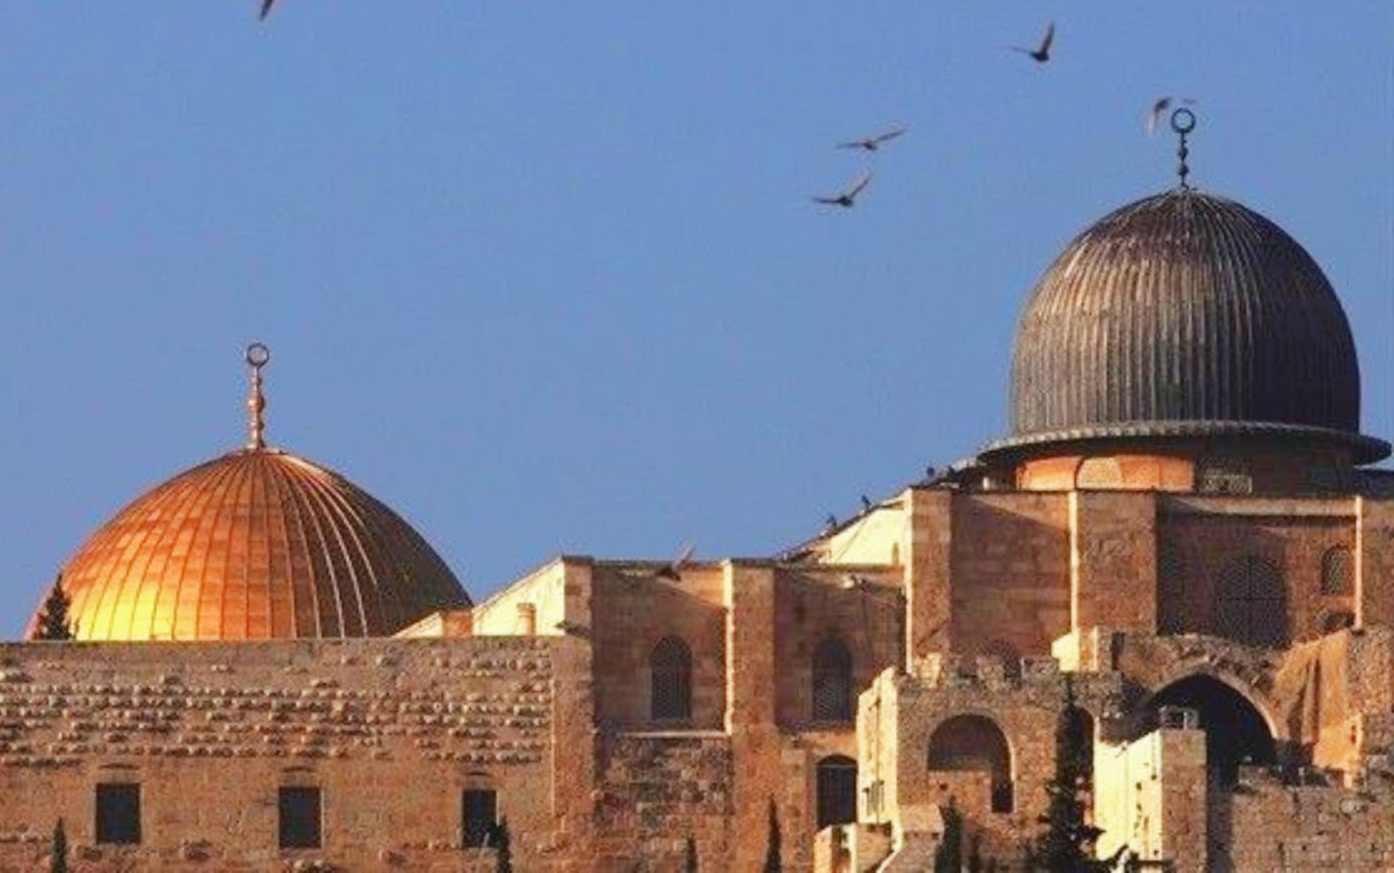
x=273, y=671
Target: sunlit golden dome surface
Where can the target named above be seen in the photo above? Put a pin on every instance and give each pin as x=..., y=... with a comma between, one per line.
x=256, y=544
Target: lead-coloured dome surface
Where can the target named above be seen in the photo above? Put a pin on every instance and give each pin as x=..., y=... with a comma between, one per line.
x=1185, y=314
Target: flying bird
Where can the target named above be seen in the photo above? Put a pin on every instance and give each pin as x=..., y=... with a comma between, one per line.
x=1160, y=106
x=1040, y=54
x=849, y=195
x=265, y=9
x=872, y=143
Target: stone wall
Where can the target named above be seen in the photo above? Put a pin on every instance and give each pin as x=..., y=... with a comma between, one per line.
x=632, y=610
x=658, y=789
x=1208, y=534
x=1011, y=572
x=1267, y=826
x=389, y=730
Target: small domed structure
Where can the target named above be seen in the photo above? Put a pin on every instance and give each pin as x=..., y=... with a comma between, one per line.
x=256, y=544
x=1185, y=315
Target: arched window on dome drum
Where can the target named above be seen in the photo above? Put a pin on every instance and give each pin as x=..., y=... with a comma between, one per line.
x=670, y=680
x=1223, y=473
x=1337, y=571
x=832, y=681
x=1171, y=588
x=1251, y=603
x=837, y=791
x=1099, y=473
x=975, y=743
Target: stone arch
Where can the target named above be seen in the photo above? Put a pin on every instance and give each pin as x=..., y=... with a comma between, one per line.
x=836, y=790
x=972, y=742
x=670, y=680
x=832, y=681
x=1238, y=729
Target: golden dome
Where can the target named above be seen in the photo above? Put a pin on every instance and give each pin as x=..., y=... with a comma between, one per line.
x=257, y=544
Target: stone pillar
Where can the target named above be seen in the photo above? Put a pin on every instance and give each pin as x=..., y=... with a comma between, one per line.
x=1374, y=561
x=575, y=766
x=756, y=777
x=1113, y=560
x=927, y=552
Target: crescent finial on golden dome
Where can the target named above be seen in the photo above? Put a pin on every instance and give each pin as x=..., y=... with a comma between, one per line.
x=258, y=356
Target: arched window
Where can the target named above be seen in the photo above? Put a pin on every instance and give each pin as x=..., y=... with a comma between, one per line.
x=1223, y=473
x=1337, y=571
x=1099, y=473
x=1251, y=603
x=975, y=743
x=670, y=685
x=832, y=681
x=837, y=791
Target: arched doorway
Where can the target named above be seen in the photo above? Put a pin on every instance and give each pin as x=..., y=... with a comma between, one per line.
x=975, y=743
x=1235, y=731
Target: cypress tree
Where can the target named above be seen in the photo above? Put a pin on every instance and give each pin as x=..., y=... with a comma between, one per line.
x=59, y=862
x=948, y=857
x=772, y=862
x=1067, y=845
x=54, y=623
x=503, y=861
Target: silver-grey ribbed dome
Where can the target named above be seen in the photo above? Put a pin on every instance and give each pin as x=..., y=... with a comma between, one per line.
x=1185, y=314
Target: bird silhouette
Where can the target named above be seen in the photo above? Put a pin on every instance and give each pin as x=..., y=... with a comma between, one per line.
x=866, y=503
x=830, y=522
x=673, y=570
x=1040, y=54
x=1160, y=106
x=849, y=194
x=265, y=9
x=872, y=143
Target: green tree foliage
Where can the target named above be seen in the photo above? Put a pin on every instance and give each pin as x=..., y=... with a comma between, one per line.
x=773, y=864
x=948, y=858
x=503, y=860
x=54, y=623
x=689, y=855
x=1067, y=844
x=59, y=862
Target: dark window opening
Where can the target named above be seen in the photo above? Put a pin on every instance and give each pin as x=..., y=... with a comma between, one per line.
x=670, y=681
x=118, y=814
x=1171, y=588
x=837, y=791
x=479, y=815
x=832, y=682
x=975, y=743
x=1337, y=571
x=299, y=818
x=1251, y=603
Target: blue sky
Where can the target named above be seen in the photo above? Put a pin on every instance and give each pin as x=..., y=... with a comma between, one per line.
x=547, y=278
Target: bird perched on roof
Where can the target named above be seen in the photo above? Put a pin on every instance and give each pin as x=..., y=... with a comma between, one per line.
x=265, y=9
x=848, y=195
x=673, y=569
x=1041, y=53
x=866, y=503
x=830, y=523
x=872, y=143
x=1160, y=106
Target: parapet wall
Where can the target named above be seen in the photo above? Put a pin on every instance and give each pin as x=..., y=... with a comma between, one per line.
x=391, y=731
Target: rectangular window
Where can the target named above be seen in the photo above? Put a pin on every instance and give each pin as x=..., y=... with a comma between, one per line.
x=479, y=816
x=300, y=818
x=118, y=814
